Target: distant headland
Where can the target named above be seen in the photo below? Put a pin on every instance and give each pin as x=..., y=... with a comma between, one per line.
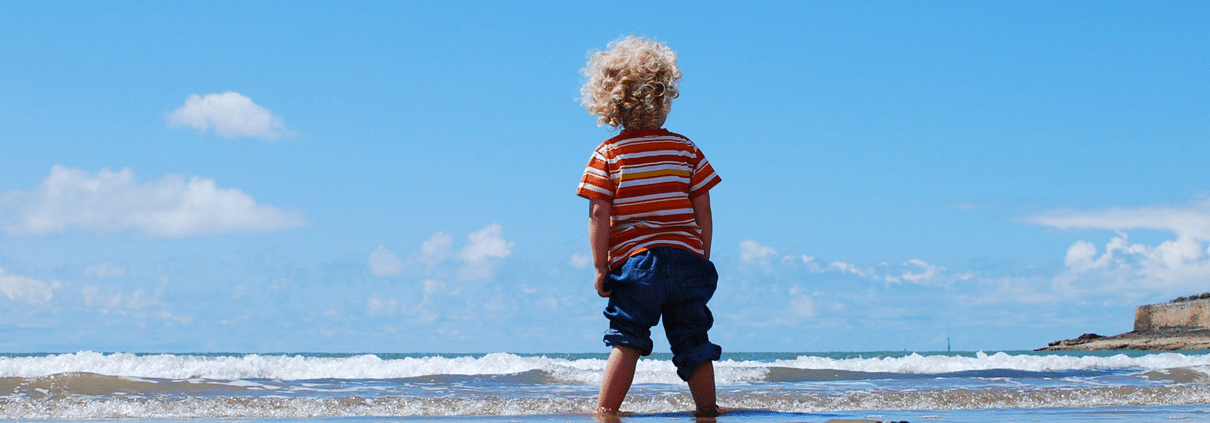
x=1183, y=324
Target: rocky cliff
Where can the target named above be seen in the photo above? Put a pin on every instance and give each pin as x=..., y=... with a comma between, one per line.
x=1180, y=325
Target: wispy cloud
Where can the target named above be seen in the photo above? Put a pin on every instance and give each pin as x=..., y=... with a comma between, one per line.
x=382, y=307
x=117, y=302
x=843, y=267
x=1191, y=221
x=385, y=263
x=581, y=260
x=446, y=271
x=105, y=270
x=801, y=304
x=925, y=273
x=752, y=252
x=915, y=270
x=26, y=289
x=420, y=312
x=172, y=207
x=436, y=250
x=476, y=260
x=798, y=289
x=231, y=115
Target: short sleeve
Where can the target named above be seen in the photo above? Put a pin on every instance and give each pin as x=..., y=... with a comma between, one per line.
x=595, y=183
x=703, y=177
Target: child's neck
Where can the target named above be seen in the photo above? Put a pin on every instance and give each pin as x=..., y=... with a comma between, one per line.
x=641, y=129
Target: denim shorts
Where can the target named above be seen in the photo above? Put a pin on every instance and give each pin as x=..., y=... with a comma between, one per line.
x=668, y=282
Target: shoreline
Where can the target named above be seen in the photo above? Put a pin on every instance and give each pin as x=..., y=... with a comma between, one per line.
x=1165, y=339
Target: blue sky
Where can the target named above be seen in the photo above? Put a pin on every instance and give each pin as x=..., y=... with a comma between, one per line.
x=400, y=176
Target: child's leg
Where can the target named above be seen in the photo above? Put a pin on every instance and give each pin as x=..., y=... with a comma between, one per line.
x=619, y=373
x=701, y=384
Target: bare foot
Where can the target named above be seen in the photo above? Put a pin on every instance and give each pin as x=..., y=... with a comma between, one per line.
x=606, y=415
x=708, y=412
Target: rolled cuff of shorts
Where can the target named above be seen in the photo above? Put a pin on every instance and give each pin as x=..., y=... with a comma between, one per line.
x=615, y=338
x=687, y=362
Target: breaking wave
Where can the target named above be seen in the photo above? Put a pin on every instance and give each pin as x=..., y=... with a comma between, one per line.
x=124, y=385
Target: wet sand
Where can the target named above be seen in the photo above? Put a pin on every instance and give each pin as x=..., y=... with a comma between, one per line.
x=1154, y=414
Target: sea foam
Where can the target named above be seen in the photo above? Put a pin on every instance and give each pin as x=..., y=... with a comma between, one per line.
x=92, y=385
x=561, y=370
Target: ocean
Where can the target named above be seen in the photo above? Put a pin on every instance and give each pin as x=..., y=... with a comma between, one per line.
x=1021, y=386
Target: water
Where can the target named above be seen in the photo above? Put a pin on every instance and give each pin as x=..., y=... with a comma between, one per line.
x=1007, y=386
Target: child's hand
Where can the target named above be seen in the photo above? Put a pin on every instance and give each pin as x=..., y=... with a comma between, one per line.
x=601, y=278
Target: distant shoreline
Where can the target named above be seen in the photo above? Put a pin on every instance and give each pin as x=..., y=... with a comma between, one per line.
x=1164, y=339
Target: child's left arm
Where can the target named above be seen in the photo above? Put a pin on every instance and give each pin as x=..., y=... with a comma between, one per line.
x=705, y=220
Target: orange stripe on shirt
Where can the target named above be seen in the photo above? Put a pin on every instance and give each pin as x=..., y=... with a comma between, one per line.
x=650, y=178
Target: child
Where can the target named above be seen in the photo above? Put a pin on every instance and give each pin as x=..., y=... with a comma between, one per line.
x=649, y=221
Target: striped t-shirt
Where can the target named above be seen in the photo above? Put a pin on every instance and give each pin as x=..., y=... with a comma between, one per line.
x=650, y=178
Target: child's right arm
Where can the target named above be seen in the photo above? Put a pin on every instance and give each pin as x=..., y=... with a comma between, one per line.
x=598, y=237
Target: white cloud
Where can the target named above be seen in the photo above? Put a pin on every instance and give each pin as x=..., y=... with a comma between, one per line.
x=808, y=261
x=384, y=263
x=439, y=262
x=851, y=268
x=171, y=207
x=432, y=287
x=485, y=246
x=231, y=114
x=1192, y=221
x=927, y=273
x=380, y=307
x=418, y=313
x=917, y=271
x=105, y=270
x=754, y=252
x=803, y=306
x=171, y=320
x=580, y=260
x=1174, y=267
x=30, y=290
x=437, y=249
x=476, y=260
x=94, y=297
x=1081, y=257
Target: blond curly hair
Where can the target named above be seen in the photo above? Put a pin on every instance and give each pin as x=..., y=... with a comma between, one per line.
x=631, y=84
